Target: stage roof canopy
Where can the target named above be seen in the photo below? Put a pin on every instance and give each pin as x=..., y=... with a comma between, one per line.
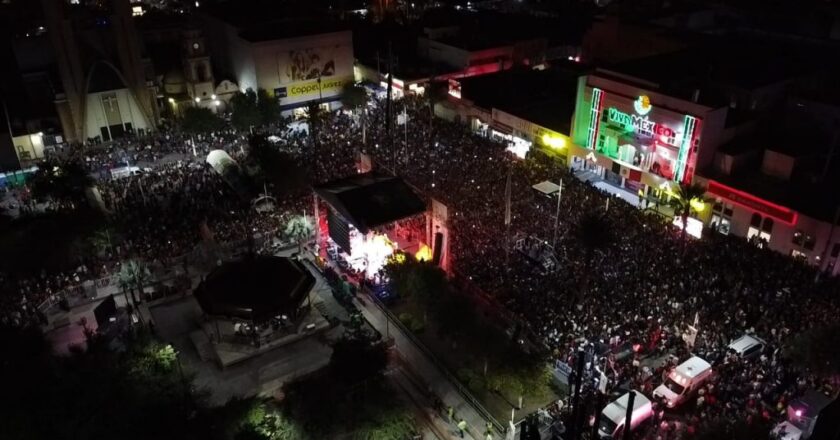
x=256, y=288
x=370, y=200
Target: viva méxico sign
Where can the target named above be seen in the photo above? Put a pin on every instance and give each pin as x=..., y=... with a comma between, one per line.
x=638, y=124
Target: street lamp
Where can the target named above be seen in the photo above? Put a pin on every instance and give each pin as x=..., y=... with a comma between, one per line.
x=171, y=100
x=197, y=100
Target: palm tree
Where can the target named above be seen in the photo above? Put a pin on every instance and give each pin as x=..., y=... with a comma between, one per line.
x=593, y=232
x=300, y=229
x=132, y=277
x=686, y=200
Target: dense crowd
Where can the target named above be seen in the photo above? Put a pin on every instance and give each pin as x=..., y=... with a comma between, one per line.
x=172, y=201
x=644, y=288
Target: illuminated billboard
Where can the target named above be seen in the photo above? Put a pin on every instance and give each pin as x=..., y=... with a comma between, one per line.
x=302, y=69
x=635, y=132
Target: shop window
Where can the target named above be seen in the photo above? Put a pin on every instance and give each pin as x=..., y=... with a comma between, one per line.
x=798, y=254
x=728, y=209
x=720, y=224
x=798, y=238
x=718, y=207
x=755, y=221
x=757, y=236
x=810, y=242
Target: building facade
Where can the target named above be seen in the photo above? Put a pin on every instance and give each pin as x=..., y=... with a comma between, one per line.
x=639, y=139
x=645, y=141
x=106, y=93
x=296, y=63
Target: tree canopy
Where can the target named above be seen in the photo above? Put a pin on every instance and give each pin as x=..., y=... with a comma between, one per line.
x=200, y=120
x=253, y=109
x=278, y=169
x=98, y=394
x=64, y=182
x=353, y=96
x=420, y=280
x=815, y=349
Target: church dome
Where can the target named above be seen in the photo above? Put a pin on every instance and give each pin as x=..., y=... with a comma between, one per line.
x=174, y=83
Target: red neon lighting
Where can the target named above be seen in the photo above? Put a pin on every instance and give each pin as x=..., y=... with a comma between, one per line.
x=780, y=213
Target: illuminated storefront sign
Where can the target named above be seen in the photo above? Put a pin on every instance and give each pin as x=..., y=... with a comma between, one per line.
x=312, y=87
x=752, y=202
x=642, y=105
x=639, y=124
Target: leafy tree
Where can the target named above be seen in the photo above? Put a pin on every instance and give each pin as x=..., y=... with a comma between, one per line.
x=64, y=183
x=276, y=168
x=815, y=349
x=353, y=96
x=268, y=107
x=137, y=393
x=357, y=360
x=49, y=241
x=375, y=413
x=685, y=200
x=420, y=280
x=200, y=120
x=245, y=113
x=300, y=229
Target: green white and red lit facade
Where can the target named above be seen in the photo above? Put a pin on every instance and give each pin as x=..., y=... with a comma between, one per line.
x=637, y=137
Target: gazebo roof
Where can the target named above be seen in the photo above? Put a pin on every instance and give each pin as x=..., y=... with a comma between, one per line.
x=255, y=288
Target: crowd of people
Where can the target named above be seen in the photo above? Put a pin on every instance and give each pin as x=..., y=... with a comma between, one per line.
x=173, y=201
x=645, y=287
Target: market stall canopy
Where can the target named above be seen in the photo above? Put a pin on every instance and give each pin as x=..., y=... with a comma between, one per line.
x=370, y=200
x=546, y=187
x=256, y=288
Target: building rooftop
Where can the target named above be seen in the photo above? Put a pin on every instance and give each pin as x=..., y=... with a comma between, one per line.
x=291, y=29
x=544, y=97
x=262, y=20
x=710, y=69
x=487, y=29
x=371, y=200
x=256, y=288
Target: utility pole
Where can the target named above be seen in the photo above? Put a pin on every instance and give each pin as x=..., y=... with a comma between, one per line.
x=579, y=359
x=388, y=110
x=557, y=215
x=628, y=418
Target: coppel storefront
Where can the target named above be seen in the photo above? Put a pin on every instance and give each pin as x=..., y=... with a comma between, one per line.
x=634, y=138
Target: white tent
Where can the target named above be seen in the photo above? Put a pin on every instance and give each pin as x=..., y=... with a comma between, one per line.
x=547, y=188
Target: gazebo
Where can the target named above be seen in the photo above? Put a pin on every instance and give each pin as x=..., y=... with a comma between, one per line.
x=258, y=293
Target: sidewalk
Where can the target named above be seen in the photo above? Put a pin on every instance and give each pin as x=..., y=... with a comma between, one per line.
x=428, y=372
